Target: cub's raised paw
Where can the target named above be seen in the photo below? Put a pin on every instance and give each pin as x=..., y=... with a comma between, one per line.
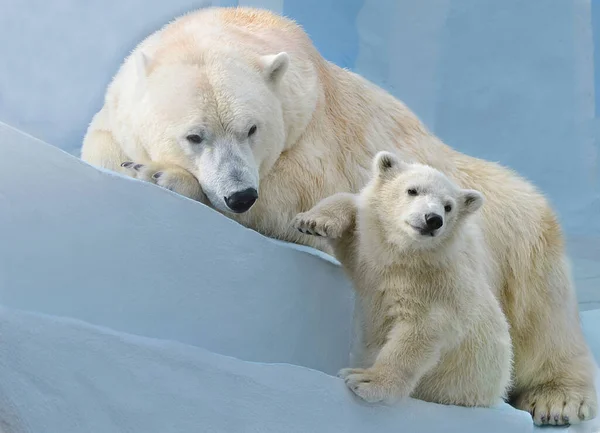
x=370, y=384
x=556, y=406
x=170, y=177
x=316, y=225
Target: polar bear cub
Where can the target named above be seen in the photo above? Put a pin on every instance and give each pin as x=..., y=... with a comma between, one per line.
x=431, y=326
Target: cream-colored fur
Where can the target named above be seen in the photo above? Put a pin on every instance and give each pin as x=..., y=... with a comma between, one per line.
x=320, y=128
x=431, y=326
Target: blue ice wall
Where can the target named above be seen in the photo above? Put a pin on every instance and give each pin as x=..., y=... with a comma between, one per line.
x=512, y=81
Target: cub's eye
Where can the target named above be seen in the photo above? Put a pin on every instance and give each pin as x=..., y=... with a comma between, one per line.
x=412, y=192
x=194, y=138
x=448, y=208
x=252, y=131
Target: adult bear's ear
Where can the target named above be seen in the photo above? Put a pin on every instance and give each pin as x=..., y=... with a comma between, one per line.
x=386, y=164
x=274, y=66
x=471, y=200
x=142, y=61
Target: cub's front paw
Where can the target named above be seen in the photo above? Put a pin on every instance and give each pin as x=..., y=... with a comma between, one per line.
x=170, y=177
x=317, y=225
x=372, y=385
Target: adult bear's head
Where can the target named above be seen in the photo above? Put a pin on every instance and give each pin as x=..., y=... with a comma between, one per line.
x=219, y=116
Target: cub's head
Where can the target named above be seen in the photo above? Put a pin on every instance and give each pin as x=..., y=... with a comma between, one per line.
x=218, y=116
x=416, y=205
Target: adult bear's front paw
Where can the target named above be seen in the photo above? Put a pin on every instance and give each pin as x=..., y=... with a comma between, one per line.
x=554, y=405
x=167, y=176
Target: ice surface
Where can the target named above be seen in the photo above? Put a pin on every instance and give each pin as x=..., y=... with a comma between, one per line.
x=162, y=288
x=65, y=376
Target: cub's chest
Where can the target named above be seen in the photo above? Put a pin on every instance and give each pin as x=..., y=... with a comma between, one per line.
x=399, y=296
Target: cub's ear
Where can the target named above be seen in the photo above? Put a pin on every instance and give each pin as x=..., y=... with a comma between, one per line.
x=471, y=200
x=387, y=164
x=274, y=66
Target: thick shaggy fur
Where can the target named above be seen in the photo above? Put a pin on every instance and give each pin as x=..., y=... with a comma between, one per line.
x=319, y=129
x=431, y=326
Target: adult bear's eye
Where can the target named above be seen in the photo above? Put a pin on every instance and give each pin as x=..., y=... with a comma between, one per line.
x=252, y=131
x=194, y=138
x=448, y=208
x=412, y=192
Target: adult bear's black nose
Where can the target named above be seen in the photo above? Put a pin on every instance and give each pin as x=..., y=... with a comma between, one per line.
x=433, y=221
x=241, y=201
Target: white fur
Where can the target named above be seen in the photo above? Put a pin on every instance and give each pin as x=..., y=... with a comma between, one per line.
x=319, y=127
x=431, y=326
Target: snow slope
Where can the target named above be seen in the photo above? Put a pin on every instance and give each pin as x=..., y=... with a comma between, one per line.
x=127, y=308
x=64, y=376
x=113, y=251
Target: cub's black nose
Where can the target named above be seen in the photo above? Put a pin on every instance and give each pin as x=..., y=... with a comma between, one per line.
x=433, y=221
x=241, y=201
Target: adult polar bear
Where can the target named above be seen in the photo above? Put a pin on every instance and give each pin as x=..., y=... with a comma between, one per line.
x=237, y=99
